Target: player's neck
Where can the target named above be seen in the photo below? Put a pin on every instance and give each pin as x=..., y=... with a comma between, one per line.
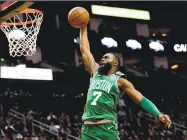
x=111, y=72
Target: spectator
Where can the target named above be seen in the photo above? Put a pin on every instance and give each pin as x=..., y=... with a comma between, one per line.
x=9, y=130
x=34, y=137
x=121, y=103
x=122, y=112
x=51, y=117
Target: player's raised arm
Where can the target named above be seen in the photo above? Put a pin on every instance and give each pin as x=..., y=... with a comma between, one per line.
x=87, y=56
x=138, y=98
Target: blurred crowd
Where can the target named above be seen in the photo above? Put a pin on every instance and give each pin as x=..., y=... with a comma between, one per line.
x=132, y=125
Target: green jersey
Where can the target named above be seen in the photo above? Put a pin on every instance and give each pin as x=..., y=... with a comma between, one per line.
x=102, y=98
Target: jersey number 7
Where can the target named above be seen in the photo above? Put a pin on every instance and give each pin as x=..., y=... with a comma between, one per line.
x=97, y=94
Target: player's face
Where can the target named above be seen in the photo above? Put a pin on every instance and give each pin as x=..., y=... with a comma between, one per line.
x=107, y=58
x=106, y=63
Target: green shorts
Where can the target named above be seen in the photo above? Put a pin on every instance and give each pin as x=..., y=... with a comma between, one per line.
x=108, y=131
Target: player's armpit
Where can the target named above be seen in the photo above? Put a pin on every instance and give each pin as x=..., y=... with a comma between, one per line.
x=90, y=63
x=126, y=86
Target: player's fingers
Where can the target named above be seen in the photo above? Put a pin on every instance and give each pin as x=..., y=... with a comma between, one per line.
x=168, y=121
x=166, y=117
x=169, y=124
x=162, y=118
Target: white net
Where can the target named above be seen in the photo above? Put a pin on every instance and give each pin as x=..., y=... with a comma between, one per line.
x=22, y=32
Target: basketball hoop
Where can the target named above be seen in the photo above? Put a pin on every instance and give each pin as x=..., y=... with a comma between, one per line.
x=22, y=33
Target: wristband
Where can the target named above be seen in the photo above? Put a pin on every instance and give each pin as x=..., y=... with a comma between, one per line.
x=149, y=107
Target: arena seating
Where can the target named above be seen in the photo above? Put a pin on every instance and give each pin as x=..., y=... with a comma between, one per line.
x=25, y=122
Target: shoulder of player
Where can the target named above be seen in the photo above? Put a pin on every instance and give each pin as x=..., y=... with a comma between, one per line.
x=122, y=75
x=95, y=70
x=121, y=78
x=123, y=83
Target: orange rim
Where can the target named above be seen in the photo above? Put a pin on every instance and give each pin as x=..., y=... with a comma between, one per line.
x=27, y=22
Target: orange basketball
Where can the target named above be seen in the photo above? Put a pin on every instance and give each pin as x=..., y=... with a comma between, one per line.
x=78, y=17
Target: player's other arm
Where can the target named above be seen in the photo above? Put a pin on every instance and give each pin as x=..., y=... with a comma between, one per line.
x=87, y=56
x=138, y=98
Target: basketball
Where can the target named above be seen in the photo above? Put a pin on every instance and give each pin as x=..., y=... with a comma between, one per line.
x=78, y=17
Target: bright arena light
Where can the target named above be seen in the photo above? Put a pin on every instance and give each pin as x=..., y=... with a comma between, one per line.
x=120, y=12
x=109, y=42
x=133, y=44
x=174, y=66
x=76, y=40
x=21, y=66
x=156, y=46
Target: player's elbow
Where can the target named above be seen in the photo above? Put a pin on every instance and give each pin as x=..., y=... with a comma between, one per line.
x=135, y=95
x=84, y=52
x=138, y=97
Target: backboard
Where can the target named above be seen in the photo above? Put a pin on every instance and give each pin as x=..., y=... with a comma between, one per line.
x=9, y=9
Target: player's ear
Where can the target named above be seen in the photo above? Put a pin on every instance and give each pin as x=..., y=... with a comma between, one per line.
x=115, y=63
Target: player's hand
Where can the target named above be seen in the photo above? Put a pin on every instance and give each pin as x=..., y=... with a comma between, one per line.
x=165, y=119
x=84, y=28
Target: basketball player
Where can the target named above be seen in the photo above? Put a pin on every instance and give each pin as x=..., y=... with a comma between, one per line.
x=107, y=85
